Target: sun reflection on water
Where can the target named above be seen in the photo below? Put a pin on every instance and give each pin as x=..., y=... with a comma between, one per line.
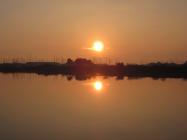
x=98, y=85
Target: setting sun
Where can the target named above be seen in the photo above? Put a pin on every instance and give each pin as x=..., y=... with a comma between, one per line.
x=98, y=46
x=98, y=85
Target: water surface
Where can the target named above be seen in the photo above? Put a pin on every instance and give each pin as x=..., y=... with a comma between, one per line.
x=36, y=107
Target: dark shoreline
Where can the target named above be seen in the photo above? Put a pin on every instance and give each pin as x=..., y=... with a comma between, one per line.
x=83, y=69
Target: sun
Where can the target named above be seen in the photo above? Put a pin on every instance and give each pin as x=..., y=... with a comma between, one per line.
x=98, y=46
x=98, y=85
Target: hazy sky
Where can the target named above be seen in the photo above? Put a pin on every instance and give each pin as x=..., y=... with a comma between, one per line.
x=133, y=30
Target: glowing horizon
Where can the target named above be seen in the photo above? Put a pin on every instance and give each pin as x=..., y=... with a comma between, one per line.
x=135, y=31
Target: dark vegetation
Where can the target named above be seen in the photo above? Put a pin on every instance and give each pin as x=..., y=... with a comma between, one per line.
x=83, y=69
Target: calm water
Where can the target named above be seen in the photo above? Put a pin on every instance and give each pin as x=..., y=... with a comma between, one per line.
x=52, y=108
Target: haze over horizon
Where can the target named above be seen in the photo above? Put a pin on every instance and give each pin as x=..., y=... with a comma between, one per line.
x=132, y=30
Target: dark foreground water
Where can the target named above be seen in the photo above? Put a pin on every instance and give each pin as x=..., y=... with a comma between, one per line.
x=52, y=108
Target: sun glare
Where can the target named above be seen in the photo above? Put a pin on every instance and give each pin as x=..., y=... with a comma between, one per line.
x=98, y=85
x=98, y=46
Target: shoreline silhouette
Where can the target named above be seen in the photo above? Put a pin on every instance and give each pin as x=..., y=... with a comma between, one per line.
x=83, y=69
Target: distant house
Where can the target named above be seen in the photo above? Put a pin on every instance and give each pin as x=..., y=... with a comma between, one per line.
x=79, y=61
x=82, y=61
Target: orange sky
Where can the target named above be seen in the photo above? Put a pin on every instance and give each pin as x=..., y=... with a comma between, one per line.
x=133, y=31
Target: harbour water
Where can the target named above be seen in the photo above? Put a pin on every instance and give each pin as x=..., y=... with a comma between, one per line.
x=37, y=107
